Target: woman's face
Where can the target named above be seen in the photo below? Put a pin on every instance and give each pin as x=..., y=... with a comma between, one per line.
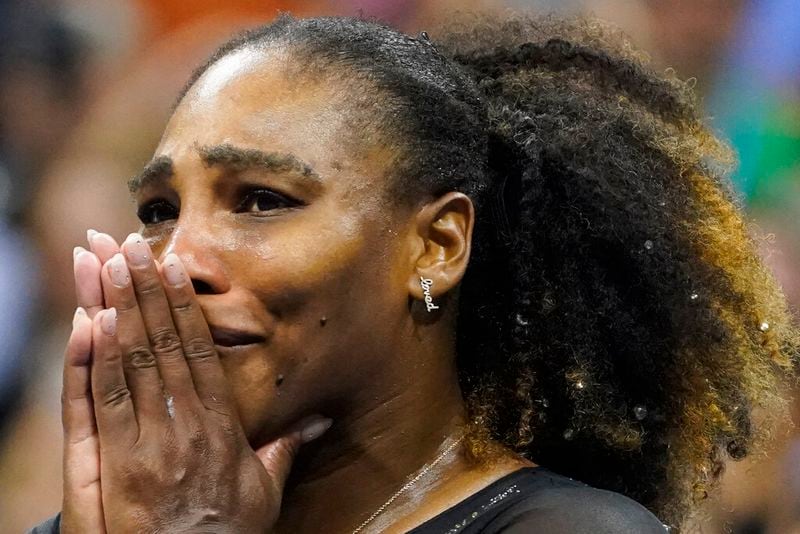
x=296, y=258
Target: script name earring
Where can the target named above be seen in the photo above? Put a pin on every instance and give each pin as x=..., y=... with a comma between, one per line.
x=426, y=284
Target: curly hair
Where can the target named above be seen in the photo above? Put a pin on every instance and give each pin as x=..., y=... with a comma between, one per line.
x=615, y=322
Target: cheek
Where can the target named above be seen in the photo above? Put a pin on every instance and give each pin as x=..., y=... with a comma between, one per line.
x=320, y=289
x=289, y=271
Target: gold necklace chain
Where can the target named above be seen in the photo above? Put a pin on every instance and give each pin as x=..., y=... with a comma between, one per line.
x=408, y=484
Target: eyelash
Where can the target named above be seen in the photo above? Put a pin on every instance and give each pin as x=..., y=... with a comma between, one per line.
x=150, y=211
x=150, y=214
x=256, y=194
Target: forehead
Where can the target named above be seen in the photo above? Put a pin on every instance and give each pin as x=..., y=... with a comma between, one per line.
x=259, y=99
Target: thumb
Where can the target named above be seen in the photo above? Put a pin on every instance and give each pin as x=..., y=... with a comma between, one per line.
x=278, y=455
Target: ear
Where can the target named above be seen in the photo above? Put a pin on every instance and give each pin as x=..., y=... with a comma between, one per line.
x=442, y=244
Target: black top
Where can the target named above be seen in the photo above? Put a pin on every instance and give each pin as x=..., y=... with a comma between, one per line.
x=531, y=500
x=535, y=500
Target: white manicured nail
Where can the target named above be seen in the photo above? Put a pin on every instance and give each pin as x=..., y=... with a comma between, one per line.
x=315, y=429
x=108, y=322
x=118, y=271
x=80, y=313
x=174, y=271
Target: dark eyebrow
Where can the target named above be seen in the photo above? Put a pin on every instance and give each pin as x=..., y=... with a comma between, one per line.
x=241, y=159
x=158, y=170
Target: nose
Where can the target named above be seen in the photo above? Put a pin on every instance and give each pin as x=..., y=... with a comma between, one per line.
x=195, y=248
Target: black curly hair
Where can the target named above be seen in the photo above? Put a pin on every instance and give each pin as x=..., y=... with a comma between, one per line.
x=615, y=322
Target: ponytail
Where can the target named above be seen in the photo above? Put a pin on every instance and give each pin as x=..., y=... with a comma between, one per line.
x=627, y=347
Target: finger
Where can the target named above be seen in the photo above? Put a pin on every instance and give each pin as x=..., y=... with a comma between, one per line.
x=87, y=281
x=138, y=359
x=163, y=338
x=198, y=345
x=103, y=245
x=113, y=407
x=76, y=399
x=81, y=446
x=278, y=456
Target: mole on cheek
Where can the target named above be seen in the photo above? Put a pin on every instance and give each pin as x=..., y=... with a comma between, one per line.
x=323, y=320
x=279, y=380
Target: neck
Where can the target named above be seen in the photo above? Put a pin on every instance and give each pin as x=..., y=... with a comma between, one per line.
x=361, y=462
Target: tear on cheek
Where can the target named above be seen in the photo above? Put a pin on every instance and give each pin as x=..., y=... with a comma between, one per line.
x=155, y=240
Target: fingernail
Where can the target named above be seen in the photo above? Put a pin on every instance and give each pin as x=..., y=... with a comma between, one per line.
x=90, y=233
x=80, y=313
x=118, y=271
x=315, y=429
x=108, y=321
x=99, y=241
x=76, y=251
x=136, y=250
x=174, y=271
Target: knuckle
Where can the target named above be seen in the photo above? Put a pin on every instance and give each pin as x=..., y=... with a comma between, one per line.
x=70, y=397
x=116, y=395
x=125, y=303
x=218, y=446
x=165, y=341
x=200, y=349
x=185, y=308
x=111, y=355
x=149, y=286
x=216, y=406
x=140, y=358
x=197, y=442
x=226, y=430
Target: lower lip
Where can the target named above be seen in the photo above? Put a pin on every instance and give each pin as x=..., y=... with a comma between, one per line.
x=234, y=348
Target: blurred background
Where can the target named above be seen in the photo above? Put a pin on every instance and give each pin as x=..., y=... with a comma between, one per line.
x=85, y=90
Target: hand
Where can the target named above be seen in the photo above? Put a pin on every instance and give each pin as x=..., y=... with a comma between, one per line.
x=82, y=509
x=174, y=456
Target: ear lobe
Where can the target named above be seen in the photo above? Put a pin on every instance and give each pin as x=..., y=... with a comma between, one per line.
x=444, y=233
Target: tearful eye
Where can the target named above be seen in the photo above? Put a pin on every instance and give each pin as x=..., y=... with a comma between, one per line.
x=156, y=212
x=262, y=200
